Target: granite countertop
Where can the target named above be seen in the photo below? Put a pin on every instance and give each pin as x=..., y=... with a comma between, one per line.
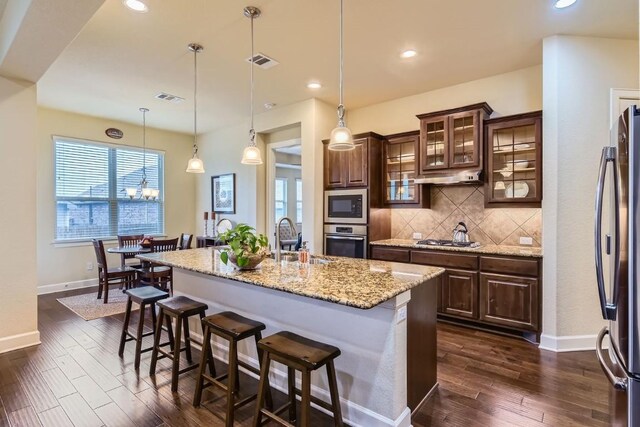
x=353, y=282
x=523, y=251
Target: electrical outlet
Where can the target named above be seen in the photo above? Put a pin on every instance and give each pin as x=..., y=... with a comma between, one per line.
x=402, y=314
x=526, y=241
x=417, y=236
x=89, y=265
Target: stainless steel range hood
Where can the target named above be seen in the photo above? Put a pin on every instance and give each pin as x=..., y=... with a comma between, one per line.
x=449, y=177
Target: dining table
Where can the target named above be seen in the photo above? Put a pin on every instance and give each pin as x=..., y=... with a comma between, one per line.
x=133, y=249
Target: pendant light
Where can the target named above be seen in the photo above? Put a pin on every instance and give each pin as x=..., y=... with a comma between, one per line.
x=341, y=137
x=195, y=165
x=251, y=154
x=145, y=191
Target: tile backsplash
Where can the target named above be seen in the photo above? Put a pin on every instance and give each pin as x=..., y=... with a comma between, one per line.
x=452, y=204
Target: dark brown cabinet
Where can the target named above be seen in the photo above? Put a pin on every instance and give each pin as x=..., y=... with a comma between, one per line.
x=452, y=139
x=489, y=290
x=514, y=160
x=400, y=171
x=357, y=168
x=459, y=293
x=510, y=301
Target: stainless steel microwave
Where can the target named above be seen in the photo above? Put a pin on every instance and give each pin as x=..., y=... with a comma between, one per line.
x=346, y=206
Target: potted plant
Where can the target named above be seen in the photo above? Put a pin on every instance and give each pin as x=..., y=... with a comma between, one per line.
x=246, y=248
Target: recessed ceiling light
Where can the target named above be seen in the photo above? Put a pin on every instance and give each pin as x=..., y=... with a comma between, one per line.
x=410, y=53
x=136, y=5
x=561, y=4
x=314, y=85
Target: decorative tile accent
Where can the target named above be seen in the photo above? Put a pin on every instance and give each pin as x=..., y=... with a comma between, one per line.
x=452, y=204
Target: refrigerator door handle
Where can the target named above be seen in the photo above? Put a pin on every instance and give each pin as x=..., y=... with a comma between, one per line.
x=617, y=382
x=608, y=309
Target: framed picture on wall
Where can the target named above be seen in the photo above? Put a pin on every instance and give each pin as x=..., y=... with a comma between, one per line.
x=223, y=193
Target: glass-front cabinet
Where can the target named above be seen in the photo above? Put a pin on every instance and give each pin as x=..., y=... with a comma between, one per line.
x=400, y=163
x=514, y=160
x=452, y=139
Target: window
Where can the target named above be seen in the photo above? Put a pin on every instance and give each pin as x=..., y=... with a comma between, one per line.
x=299, y=200
x=90, y=179
x=281, y=198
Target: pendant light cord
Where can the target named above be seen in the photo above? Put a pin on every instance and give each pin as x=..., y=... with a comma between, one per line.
x=144, y=144
x=341, y=105
x=252, y=132
x=195, y=101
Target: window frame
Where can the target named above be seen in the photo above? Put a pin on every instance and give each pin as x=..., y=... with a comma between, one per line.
x=113, y=198
x=299, y=200
x=285, y=196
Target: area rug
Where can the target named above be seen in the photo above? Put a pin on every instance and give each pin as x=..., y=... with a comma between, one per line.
x=89, y=307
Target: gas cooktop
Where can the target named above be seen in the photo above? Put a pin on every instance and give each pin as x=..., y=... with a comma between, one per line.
x=437, y=242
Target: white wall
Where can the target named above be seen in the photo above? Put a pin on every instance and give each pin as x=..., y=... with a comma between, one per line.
x=578, y=75
x=66, y=263
x=510, y=93
x=18, y=122
x=221, y=151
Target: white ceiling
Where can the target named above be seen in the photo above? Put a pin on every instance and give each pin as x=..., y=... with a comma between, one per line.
x=121, y=59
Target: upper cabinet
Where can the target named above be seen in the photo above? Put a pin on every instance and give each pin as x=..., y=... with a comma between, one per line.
x=452, y=139
x=357, y=168
x=400, y=163
x=514, y=160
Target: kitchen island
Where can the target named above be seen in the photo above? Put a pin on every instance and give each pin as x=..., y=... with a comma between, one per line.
x=381, y=315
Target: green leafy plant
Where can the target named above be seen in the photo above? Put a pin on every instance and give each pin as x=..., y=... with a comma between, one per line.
x=244, y=244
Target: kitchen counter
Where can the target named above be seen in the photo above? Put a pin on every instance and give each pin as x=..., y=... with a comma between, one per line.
x=484, y=249
x=381, y=315
x=347, y=281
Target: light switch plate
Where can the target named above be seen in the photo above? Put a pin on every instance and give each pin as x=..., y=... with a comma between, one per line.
x=402, y=314
x=417, y=236
x=526, y=241
x=89, y=265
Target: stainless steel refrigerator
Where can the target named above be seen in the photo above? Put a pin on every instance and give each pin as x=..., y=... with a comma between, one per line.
x=617, y=258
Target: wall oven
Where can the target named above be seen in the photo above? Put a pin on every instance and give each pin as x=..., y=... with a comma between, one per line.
x=346, y=206
x=345, y=240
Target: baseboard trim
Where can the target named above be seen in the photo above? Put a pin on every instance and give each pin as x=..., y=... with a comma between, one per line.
x=16, y=342
x=66, y=286
x=567, y=343
x=352, y=413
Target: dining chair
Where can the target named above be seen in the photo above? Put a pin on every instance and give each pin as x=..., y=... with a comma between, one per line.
x=157, y=275
x=185, y=241
x=129, y=240
x=121, y=276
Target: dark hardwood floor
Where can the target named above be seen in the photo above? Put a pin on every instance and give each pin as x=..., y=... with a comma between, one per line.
x=75, y=378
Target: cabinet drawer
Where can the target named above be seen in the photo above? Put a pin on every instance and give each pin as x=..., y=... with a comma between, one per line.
x=518, y=266
x=390, y=254
x=440, y=259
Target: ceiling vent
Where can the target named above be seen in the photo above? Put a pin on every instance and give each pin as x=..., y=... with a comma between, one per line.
x=169, y=98
x=263, y=61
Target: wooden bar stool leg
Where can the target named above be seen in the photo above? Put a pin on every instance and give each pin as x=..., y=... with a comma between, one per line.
x=335, y=399
x=291, y=380
x=187, y=338
x=210, y=361
x=262, y=387
x=154, y=318
x=268, y=397
x=125, y=328
x=231, y=383
x=156, y=343
x=167, y=320
x=204, y=360
x=305, y=404
x=139, y=337
x=176, y=357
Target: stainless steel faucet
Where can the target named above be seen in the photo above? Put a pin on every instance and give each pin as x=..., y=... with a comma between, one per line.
x=278, y=245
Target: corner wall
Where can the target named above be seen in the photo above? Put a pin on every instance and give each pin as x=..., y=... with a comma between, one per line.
x=18, y=123
x=578, y=75
x=63, y=266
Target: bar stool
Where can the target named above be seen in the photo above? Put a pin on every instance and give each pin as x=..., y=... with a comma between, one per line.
x=305, y=355
x=180, y=308
x=145, y=296
x=232, y=327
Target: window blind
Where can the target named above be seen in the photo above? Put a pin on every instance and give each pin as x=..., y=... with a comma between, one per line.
x=90, y=179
